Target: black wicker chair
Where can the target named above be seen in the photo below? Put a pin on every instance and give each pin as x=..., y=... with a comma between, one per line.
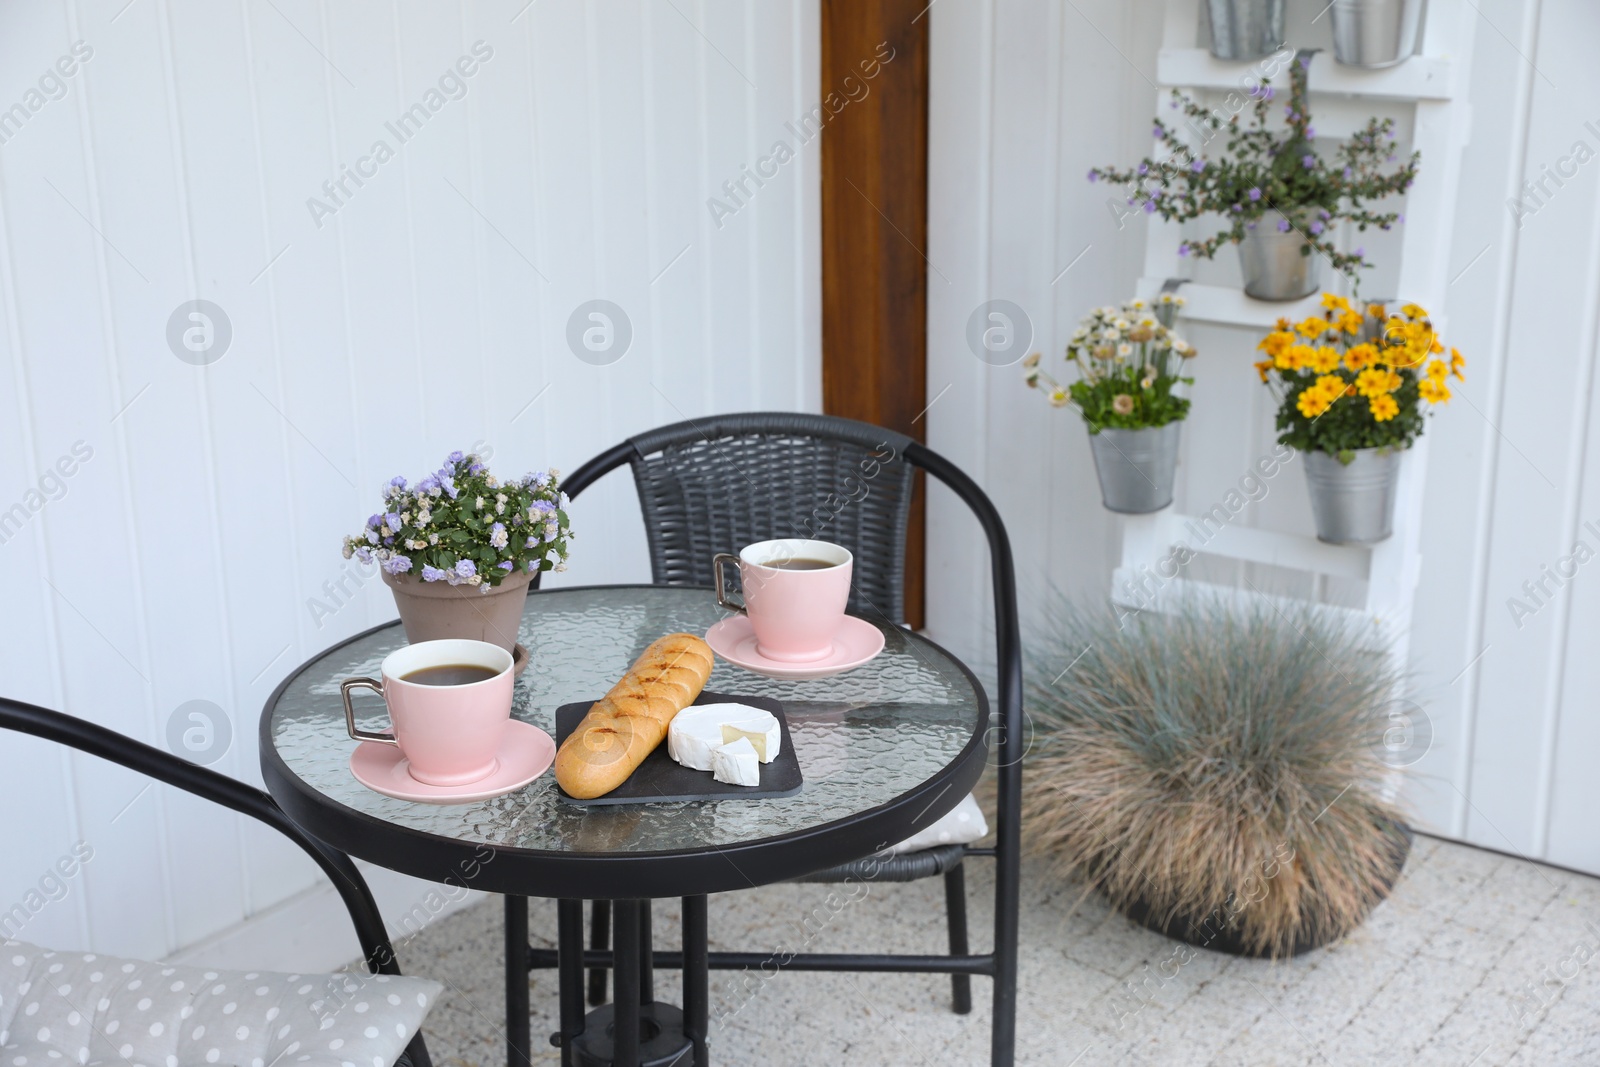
x=716, y=484
x=230, y=793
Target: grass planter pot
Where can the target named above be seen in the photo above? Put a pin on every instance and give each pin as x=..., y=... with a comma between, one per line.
x=1215, y=772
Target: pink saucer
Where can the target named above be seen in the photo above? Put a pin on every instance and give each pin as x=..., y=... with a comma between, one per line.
x=857, y=642
x=525, y=753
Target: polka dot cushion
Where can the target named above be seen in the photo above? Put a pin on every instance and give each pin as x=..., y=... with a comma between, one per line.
x=61, y=1008
x=964, y=825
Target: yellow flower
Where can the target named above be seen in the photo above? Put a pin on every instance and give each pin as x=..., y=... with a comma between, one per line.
x=1373, y=382
x=1315, y=326
x=1384, y=407
x=1456, y=363
x=1434, y=392
x=1377, y=311
x=1438, y=370
x=1262, y=368
x=1312, y=402
x=1275, y=342
x=1394, y=382
x=1350, y=322
x=1360, y=356
x=1294, y=357
x=1334, y=302
x=1324, y=360
x=1412, y=311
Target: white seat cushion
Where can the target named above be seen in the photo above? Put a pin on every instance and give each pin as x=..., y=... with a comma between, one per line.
x=60, y=1008
x=962, y=826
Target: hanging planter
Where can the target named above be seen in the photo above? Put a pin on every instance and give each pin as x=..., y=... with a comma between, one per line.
x=1279, y=198
x=1353, y=494
x=1129, y=361
x=1245, y=29
x=1375, y=33
x=1276, y=260
x=1136, y=468
x=1351, y=386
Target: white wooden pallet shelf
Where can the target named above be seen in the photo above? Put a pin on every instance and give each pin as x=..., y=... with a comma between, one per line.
x=1229, y=306
x=1425, y=77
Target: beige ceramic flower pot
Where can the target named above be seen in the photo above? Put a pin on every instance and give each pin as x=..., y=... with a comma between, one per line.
x=433, y=611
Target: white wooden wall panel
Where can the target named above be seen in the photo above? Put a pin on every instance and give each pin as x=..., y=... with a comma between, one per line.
x=428, y=313
x=1026, y=98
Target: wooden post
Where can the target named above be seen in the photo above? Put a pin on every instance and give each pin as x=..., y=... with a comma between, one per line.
x=875, y=228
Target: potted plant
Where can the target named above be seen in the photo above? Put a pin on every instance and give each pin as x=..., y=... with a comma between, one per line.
x=1279, y=199
x=1351, y=388
x=459, y=548
x=1217, y=771
x=1245, y=29
x=1375, y=33
x=1129, y=362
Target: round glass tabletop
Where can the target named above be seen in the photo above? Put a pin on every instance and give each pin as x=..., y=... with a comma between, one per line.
x=885, y=750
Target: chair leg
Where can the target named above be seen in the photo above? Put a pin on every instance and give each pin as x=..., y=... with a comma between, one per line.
x=599, y=940
x=955, y=910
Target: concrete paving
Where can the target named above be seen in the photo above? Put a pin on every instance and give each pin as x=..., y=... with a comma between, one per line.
x=1477, y=960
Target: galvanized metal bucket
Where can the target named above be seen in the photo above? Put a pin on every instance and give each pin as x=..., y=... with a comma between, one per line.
x=1375, y=33
x=1353, y=504
x=1272, y=263
x=1245, y=29
x=1136, y=467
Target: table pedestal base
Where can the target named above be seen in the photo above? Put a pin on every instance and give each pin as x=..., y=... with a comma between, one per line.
x=662, y=1042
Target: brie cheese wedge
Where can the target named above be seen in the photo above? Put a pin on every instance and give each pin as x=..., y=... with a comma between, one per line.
x=696, y=731
x=736, y=763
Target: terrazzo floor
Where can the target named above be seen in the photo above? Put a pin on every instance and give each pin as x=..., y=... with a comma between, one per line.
x=1477, y=960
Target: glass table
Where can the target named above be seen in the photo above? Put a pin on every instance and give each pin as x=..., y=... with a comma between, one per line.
x=885, y=751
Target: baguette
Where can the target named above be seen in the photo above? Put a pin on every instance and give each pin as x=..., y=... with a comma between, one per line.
x=626, y=725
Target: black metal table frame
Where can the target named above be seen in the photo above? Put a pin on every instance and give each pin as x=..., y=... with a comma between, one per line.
x=690, y=874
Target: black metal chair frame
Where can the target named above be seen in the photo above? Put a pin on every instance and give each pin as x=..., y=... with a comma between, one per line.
x=668, y=568
x=230, y=793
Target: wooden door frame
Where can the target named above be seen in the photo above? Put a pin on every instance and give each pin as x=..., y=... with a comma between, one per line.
x=874, y=111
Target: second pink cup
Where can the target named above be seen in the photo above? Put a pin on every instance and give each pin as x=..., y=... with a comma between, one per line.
x=795, y=592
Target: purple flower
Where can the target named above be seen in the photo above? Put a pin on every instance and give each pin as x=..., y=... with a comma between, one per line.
x=1144, y=168
x=476, y=468
x=397, y=564
x=1400, y=217
x=532, y=542
x=372, y=537
x=428, y=484
x=1288, y=110
x=1149, y=207
x=1255, y=194
x=1198, y=165
x=466, y=569
x=497, y=535
x=388, y=540
x=374, y=521
x=398, y=482
x=455, y=457
x=532, y=564
x=1347, y=173
x=1311, y=131
x=1155, y=131
x=393, y=521
x=507, y=565
x=449, y=487
x=1360, y=253
x=432, y=574
x=1316, y=227
x=1236, y=209
x=1283, y=225
x=1308, y=161
x=1183, y=249
x=364, y=554
x=1093, y=177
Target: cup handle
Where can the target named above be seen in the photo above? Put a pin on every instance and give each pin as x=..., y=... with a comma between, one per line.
x=348, y=686
x=716, y=567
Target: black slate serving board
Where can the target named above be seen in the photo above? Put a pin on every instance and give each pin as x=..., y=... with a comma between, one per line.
x=661, y=778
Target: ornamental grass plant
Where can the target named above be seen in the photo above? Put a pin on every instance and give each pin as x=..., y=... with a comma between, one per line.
x=1215, y=769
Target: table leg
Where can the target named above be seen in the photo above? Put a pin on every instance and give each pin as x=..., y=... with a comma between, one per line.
x=519, y=1034
x=647, y=949
x=696, y=978
x=569, y=963
x=625, y=984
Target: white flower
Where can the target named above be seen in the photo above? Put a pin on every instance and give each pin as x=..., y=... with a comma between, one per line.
x=478, y=503
x=1080, y=333
x=435, y=491
x=349, y=549
x=552, y=529
x=492, y=482
x=372, y=537
x=1124, y=349
x=1121, y=323
x=498, y=538
x=500, y=508
x=1112, y=334
x=554, y=473
x=1135, y=305
x=433, y=539
x=499, y=498
x=561, y=566
x=476, y=579
x=424, y=517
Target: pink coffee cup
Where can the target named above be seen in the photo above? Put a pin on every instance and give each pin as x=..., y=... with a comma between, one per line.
x=795, y=593
x=448, y=733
